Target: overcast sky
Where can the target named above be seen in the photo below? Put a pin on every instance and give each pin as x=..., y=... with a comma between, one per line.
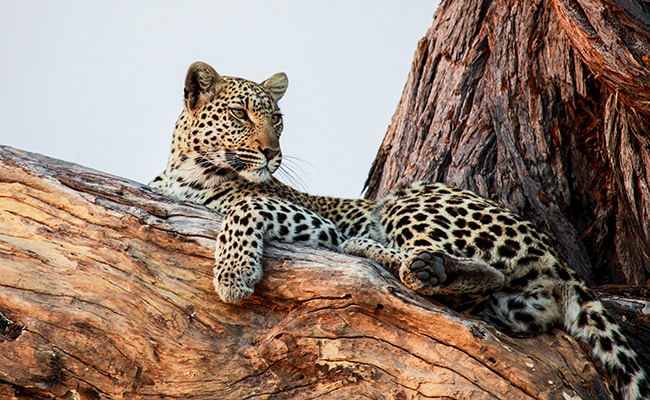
x=101, y=83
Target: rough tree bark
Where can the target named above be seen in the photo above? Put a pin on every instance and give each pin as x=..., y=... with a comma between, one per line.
x=106, y=292
x=544, y=106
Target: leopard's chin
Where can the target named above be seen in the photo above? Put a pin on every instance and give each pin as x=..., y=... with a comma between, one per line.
x=257, y=175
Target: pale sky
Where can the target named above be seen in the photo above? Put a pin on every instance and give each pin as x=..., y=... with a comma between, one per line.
x=101, y=83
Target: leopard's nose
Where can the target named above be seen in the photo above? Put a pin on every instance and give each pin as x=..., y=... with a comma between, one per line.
x=270, y=153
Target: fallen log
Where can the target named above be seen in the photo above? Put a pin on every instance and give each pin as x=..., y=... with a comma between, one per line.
x=106, y=292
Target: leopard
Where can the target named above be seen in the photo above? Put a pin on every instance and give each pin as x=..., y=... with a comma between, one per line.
x=446, y=243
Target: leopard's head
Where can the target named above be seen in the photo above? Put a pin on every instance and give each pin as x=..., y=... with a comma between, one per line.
x=228, y=125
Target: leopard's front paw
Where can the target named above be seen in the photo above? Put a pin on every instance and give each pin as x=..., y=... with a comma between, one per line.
x=424, y=272
x=235, y=278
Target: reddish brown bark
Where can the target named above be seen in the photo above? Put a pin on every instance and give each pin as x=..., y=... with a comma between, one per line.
x=543, y=106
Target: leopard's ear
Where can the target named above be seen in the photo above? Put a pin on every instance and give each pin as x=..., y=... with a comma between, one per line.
x=277, y=85
x=202, y=84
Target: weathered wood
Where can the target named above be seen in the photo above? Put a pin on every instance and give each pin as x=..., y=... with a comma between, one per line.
x=107, y=286
x=544, y=106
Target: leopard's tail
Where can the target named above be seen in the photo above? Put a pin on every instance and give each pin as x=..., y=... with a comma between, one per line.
x=586, y=319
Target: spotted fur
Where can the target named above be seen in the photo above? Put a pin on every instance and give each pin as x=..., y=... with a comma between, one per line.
x=470, y=253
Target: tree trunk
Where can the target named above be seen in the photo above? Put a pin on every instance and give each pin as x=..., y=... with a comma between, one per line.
x=541, y=105
x=106, y=292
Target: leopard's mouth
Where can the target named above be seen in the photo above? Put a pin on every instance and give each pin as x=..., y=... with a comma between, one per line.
x=256, y=171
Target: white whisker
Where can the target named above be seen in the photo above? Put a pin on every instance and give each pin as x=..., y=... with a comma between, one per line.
x=291, y=171
x=289, y=177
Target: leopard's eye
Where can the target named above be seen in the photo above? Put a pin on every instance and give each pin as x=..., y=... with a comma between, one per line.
x=276, y=119
x=238, y=113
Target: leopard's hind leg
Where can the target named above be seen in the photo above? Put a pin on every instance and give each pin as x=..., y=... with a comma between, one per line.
x=428, y=270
